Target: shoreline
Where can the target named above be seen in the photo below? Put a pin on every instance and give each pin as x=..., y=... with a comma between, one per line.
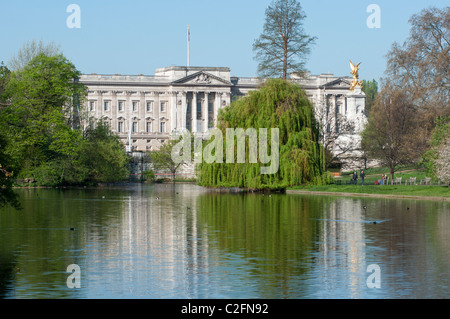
x=432, y=198
x=240, y=190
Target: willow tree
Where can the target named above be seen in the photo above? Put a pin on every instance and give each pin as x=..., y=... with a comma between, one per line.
x=278, y=104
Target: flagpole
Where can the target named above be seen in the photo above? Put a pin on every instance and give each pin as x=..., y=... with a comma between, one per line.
x=188, y=44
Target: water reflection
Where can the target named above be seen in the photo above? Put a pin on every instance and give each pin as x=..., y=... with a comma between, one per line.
x=181, y=241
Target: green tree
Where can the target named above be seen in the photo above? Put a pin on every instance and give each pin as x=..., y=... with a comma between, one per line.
x=42, y=103
x=7, y=195
x=163, y=160
x=283, y=45
x=4, y=78
x=37, y=116
x=370, y=88
x=278, y=104
x=101, y=157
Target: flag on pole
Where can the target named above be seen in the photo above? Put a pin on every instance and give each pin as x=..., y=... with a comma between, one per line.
x=188, y=44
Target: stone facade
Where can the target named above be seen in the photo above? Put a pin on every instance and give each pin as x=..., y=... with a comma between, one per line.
x=144, y=110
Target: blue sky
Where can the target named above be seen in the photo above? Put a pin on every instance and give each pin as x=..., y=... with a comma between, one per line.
x=136, y=36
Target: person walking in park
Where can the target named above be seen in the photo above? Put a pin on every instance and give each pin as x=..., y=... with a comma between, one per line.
x=355, y=178
x=362, y=175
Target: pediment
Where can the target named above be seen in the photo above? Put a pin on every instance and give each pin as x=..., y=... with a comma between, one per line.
x=202, y=78
x=338, y=83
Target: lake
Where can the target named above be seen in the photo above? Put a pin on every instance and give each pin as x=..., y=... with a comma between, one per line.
x=168, y=241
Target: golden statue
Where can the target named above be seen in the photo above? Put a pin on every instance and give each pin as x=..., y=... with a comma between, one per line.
x=356, y=81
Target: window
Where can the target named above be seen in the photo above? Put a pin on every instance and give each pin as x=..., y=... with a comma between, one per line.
x=150, y=106
x=106, y=105
x=120, y=106
x=120, y=127
x=135, y=127
x=163, y=127
x=135, y=105
x=91, y=105
x=210, y=107
x=163, y=107
x=149, y=127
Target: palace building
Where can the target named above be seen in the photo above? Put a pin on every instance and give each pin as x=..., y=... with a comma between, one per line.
x=144, y=110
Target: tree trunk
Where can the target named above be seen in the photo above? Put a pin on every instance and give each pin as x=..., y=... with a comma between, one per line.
x=285, y=49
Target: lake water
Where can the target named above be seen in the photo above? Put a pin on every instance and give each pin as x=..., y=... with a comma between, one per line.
x=182, y=241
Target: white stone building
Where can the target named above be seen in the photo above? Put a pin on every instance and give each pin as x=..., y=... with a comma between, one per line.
x=144, y=110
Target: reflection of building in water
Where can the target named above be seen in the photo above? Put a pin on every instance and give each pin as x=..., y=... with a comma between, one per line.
x=155, y=258
x=342, y=248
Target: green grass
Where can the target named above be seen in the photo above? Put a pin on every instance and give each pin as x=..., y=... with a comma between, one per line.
x=375, y=174
x=410, y=190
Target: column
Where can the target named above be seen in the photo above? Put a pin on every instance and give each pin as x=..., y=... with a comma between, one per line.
x=173, y=111
x=194, y=112
x=156, y=112
x=183, y=110
x=114, y=111
x=99, y=106
x=227, y=98
x=141, y=112
x=217, y=103
x=205, y=112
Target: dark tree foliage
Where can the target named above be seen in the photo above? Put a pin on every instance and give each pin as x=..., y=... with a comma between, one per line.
x=7, y=195
x=45, y=145
x=370, y=88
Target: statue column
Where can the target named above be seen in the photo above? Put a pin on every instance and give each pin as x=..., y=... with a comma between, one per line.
x=356, y=103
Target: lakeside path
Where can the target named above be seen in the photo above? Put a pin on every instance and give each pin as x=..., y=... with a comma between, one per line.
x=433, y=198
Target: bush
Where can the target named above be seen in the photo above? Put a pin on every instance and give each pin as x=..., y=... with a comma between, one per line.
x=149, y=176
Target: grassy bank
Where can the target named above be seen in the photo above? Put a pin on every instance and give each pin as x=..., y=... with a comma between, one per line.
x=407, y=190
x=375, y=174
